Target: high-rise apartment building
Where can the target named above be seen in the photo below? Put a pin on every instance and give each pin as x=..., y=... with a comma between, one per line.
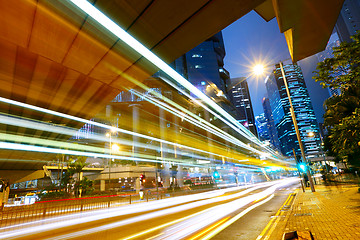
x=304, y=112
x=239, y=96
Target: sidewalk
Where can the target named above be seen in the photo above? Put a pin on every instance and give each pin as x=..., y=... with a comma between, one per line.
x=332, y=212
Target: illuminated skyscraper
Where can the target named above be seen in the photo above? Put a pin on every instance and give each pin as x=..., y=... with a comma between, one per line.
x=203, y=65
x=304, y=112
x=239, y=96
x=273, y=136
x=262, y=128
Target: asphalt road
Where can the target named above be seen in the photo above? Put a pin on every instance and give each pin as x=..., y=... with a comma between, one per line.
x=218, y=214
x=250, y=225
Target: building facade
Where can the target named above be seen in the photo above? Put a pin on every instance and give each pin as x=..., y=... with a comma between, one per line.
x=239, y=96
x=348, y=22
x=273, y=136
x=204, y=65
x=334, y=41
x=304, y=112
x=262, y=128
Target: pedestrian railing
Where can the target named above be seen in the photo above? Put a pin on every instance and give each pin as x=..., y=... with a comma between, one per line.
x=14, y=215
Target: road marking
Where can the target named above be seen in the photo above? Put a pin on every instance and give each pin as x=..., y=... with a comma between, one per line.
x=276, y=218
x=154, y=236
x=162, y=226
x=234, y=219
x=209, y=228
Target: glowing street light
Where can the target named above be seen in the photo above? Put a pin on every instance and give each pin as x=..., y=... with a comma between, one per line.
x=259, y=69
x=115, y=148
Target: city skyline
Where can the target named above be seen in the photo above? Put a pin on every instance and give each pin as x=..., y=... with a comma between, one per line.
x=251, y=40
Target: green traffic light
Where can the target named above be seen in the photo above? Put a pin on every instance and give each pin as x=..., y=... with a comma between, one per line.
x=302, y=166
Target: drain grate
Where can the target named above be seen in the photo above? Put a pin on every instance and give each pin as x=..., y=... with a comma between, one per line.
x=352, y=207
x=302, y=214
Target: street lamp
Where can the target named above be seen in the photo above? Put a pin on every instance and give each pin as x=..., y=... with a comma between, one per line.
x=112, y=147
x=311, y=134
x=259, y=69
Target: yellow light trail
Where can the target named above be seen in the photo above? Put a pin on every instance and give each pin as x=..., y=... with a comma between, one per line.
x=108, y=24
x=163, y=225
x=234, y=219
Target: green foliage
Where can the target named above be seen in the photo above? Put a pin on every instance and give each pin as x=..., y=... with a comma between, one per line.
x=345, y=137
x=343, y=70
x=53, y=195
x=188, y=182
x=75, y=166
x=339, y=107
x=86, y=185
x=342, y=116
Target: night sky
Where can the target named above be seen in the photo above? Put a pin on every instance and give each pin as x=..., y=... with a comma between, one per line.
x=252, y=40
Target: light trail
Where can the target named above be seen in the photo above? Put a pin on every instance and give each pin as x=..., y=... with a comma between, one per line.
x=57, y=145
x=237, y=217
x=201, y=199
x=201, y=123
x=11, y=120
x=99, y=124
x=108, y=24
x=216, y=213
x=24, y=147
x=37, y=125
x=176, y=229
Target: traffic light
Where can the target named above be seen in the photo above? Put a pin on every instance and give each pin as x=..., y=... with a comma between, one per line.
x=302, y=167
x=142, y=177
x=216, y=175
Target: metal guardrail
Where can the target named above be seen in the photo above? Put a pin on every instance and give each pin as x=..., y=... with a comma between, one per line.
x=13, y=215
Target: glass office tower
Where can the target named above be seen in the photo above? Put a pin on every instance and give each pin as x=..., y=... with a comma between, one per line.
x=239, y=96
x=304, y=112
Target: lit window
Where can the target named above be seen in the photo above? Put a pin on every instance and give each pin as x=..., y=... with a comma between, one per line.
x=198, y=66
x=196, y=56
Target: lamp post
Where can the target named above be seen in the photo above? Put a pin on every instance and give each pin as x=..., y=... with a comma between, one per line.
x=112, y=147
x=311, y=134
x=258, y=69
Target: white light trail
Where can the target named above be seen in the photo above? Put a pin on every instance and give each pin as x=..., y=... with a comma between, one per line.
x=24, y=147
x=107, y=23
x=101, y=125
x=52, y=224
x=37, y=125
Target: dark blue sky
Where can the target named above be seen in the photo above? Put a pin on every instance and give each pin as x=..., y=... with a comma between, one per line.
x=251, y=40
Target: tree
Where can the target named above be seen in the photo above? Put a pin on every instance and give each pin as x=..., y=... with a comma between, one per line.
x=343, y=70
x=345, y=138
x=75, y=166
x=342, y=116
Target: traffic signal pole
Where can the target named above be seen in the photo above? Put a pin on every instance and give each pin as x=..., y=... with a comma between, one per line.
x=301, y=181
